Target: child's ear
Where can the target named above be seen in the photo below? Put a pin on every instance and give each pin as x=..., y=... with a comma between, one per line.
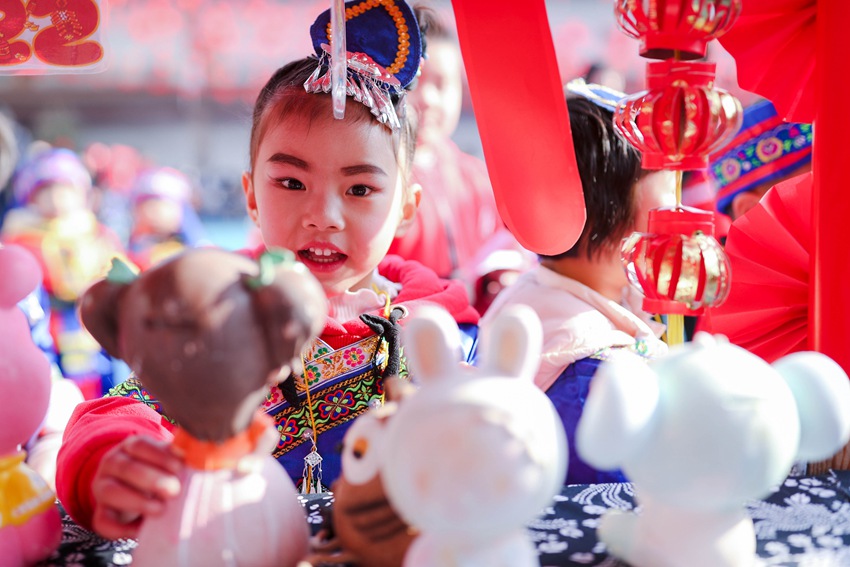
x=743, y=202
x=250, y=198
x=408, y=209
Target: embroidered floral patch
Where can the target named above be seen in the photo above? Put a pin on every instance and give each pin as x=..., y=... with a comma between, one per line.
x=353, y=356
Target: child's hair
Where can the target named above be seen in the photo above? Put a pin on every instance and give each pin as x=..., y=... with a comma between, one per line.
x=609, y=166
x=284, y=95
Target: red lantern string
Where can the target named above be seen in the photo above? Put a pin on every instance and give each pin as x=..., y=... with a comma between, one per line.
x=677, y=263
x=668, y=26
x=676, y=124
x=681, y=119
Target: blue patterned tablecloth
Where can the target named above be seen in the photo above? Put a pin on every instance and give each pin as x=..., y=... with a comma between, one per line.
x=805, y=523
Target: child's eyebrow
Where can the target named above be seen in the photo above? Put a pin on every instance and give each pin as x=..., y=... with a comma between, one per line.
x=290, y=160
x=362, y=168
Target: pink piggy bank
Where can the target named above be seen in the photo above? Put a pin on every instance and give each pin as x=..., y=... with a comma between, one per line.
x=30, y=529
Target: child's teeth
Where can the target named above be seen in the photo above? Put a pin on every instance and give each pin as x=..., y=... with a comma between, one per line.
x=321, y=251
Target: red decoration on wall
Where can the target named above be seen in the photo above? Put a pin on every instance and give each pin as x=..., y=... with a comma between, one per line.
x=675, y=28
x=63, y=36
x=63, y=42
x=678, y=264
x=681, y=119
x=13, y=24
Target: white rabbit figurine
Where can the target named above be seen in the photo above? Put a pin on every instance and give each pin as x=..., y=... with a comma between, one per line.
x=476, y=453
x=700, y=432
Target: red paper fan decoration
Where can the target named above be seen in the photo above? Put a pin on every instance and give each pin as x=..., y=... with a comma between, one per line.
x=773, y=43
x=767, y=308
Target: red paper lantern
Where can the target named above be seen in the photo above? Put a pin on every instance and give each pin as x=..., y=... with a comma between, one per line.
x=678, y=265
x=678, y=29
x=681, y=119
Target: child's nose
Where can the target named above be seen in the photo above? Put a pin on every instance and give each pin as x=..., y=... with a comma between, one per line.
x=326, y=214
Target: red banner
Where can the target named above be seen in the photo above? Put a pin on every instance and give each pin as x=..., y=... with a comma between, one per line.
x=522, y=118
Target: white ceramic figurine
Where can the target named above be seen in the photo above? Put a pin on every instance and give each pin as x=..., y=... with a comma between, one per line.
x=700, y=432
x=475, y=453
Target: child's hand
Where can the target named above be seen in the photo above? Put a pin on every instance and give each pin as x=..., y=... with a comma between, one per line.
x=134, y=480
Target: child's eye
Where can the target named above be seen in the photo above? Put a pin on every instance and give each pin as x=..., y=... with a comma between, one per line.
x=360, y=191
x=290, y=183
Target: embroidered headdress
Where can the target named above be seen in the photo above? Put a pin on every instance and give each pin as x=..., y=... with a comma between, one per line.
x=765, y=149
x=384, y=50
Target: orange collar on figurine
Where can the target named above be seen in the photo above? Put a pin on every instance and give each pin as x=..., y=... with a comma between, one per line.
x=211, y=456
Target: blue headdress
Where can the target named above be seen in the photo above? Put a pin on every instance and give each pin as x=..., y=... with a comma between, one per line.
x=383, y=48
x=765, y=151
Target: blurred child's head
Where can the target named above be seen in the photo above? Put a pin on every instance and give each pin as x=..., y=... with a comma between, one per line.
x=159, y=197
x=438, y=94
x=765, y=151
x=618, y=192
x=54, y=182
x=336, y=192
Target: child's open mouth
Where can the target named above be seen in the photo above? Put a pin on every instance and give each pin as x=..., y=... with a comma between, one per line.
x=321, y=258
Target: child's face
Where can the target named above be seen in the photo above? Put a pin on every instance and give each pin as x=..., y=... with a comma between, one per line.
x=59, y=200
x=331, y=191
x=158, y=216
x=657, y=189
x=438, y=95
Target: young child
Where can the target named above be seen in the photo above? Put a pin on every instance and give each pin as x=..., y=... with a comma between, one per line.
x=335, y=192
x=458, y=214
x=765, y=152
x=583, y=298
x=55, y=223
x=164, y=221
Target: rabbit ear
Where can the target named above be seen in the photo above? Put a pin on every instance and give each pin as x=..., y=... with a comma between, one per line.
x=432, y=344
x=510, y=345
x=619, y=411
x=822, y=392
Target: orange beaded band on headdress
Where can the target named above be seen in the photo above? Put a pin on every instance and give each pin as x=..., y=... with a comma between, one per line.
x=384, y=49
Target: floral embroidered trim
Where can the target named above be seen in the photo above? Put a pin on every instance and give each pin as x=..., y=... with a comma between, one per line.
x=132, y=388
x=332, y=405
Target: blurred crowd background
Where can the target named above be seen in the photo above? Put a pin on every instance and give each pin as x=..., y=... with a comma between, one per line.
x=181, y=76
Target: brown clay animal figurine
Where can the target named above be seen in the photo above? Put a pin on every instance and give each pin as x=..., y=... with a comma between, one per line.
x=207, y=333
x=364, y=529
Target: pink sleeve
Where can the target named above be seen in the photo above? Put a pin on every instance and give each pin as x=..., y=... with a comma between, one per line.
x=95, y=427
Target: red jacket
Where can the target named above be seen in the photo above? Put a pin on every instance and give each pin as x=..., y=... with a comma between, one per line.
x=98, y=425
x=457, y=215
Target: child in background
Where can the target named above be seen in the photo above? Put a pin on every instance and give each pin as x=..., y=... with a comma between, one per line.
x=765, y=152
x=335, y=192
x=54, y=222
x=582, y=296
x=164, y=221
x=458, y=214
